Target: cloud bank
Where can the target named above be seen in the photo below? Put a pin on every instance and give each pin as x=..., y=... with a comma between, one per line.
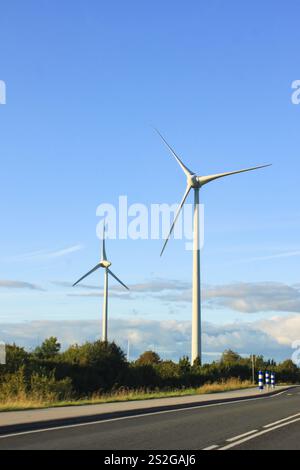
x=255, y=297
x=246, y=298
x=272, y=338
x=251, y=297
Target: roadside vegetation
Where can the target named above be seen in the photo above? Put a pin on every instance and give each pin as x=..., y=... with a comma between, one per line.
x=99, y=373
x=34, y=401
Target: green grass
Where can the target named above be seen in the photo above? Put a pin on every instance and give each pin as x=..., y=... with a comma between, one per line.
x=25, y=402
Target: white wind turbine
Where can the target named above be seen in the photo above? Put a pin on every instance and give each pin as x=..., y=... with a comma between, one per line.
x=105, y=264
x=196, y=182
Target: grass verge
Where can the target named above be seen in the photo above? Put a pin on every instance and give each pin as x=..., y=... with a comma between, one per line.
x=25, y=402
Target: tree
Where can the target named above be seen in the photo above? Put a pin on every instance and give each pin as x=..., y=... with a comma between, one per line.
x=196, y=364
x=94, y=367
x=15, y=358
x=49, y=348
x=288, y=372
x=98, y=354
x=230, y=357
x=184, y=365
x=148, y=358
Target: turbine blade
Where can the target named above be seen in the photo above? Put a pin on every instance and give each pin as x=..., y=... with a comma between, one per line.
x=104, y=257
x=207, y=179
x=117, y=279
x=87, y=274
x=176, y=217
x=183, y=167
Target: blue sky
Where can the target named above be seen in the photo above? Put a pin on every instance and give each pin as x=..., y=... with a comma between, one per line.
x=86, y=81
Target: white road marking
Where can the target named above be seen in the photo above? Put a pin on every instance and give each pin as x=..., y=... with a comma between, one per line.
x=281, y=421
x=211, y=448
x=232, y=439
x=103, y=421
x=261, y=433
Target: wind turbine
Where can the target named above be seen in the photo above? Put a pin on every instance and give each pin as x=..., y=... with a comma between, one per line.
x=196, y=182
x=105, y=264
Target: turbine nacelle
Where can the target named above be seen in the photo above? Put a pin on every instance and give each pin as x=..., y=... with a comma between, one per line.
x=193, y=181
x=105, y=264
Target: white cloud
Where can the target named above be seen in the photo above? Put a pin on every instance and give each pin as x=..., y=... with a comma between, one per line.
x=118, y=295
x=284, y=329
x=152, y=286
x=156, y=288
x=255, y=297
x=250, y=297
x=272, y=338
x=47, y=254
x=5, y=284
x=247, y=297
x=63, y=252
x=283, y=254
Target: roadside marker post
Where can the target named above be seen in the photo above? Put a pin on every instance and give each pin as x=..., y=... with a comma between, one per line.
x=267, y=380
x=260, y=381
x=273, y=380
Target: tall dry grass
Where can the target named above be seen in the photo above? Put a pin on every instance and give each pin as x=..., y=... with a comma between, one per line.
x=25, y=400
x=17, y=391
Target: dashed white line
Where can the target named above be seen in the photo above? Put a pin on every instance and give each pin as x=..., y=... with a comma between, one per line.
x=236, y=438
x=214, y=447
x=261, y=433
x=281, y=420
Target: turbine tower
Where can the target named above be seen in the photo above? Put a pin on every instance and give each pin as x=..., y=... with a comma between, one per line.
x=105, y=264
x=196, y=182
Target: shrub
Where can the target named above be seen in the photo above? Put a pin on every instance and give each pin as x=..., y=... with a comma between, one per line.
x=47, y=388
x=14, y=385
x=98, y=368
x=42, y=388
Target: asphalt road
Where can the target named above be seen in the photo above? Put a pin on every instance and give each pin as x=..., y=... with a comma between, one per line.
x=266, y=423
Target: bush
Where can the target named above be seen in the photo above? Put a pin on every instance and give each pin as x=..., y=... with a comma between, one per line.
x=14, y=385
x=47, y=388
x=169, y=374
x=15, y=358
x=48, y=375
x=43, y=388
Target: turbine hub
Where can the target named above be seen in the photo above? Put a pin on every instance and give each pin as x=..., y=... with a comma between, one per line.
x=193, y=181
x=105, y=264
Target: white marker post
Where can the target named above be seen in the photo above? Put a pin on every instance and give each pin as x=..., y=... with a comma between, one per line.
x=267, y=380
x=272, y=380
x=260, y=381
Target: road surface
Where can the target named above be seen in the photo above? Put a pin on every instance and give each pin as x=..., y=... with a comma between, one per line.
x=266, y=423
